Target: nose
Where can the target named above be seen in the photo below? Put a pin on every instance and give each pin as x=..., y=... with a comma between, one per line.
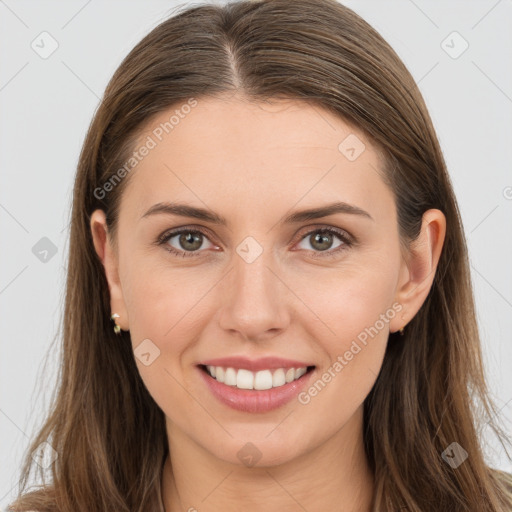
x=254, y=300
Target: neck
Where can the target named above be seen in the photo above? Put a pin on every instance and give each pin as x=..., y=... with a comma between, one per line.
x=331, y=476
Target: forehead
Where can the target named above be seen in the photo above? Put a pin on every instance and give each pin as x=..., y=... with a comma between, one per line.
x=225, y=151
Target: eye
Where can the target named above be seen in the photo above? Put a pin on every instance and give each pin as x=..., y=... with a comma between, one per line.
x=189, y=242
x=322, y=239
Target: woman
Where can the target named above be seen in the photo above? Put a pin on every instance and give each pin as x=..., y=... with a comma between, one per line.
x=268, y=300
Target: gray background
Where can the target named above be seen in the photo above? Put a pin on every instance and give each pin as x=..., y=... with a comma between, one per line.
x=46, y=105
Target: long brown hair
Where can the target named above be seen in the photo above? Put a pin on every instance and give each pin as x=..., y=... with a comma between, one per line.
x=106, y=429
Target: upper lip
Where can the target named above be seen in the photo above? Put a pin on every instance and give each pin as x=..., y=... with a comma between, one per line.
x=263, y=363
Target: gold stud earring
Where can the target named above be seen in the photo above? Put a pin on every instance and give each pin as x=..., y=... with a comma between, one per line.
x=401, y=331
x=117, y=328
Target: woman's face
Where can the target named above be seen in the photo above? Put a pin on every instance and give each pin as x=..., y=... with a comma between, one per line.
x=267, y=283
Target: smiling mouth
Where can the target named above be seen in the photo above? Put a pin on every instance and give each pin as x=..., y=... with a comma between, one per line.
x=258, y=381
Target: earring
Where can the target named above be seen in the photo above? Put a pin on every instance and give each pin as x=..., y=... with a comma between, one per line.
x=117, y=328
x=401, y=331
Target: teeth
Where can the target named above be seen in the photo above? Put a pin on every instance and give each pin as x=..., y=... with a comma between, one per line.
x=264, y=379
x=230, y=377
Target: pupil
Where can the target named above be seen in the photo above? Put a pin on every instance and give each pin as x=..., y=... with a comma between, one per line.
x=319, y=237
x=190, y=238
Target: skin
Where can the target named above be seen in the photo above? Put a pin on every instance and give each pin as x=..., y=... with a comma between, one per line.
x=254, y=164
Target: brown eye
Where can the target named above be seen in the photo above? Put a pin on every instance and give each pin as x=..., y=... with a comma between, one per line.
x=323, y=240
x=188, y=242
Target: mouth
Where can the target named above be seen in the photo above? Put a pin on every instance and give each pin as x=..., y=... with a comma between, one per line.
x=261, y=380
x=255, y=391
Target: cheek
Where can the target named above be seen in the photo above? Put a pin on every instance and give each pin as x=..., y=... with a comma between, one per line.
x=352, y=311
x=166, y=310
x=161, y=302
x=344, y=304
x=161, y=307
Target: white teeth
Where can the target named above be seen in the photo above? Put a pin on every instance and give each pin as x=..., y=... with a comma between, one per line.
x=261, y=380
x=230, y=377
x=244, y=379
x=219, y=373
x=278, y=379
x=299, y=372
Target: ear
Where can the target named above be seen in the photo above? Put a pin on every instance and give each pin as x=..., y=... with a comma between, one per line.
x=109, y=259
x=419, y=269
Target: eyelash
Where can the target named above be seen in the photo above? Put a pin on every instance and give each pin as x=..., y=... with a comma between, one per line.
x=347, y=242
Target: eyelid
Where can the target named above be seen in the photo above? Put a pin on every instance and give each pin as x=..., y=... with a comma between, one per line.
x=176, y=231
x=327, y=227
x=307, y=229
x=347, y=239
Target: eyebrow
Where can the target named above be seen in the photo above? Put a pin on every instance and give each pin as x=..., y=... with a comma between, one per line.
x=185, y=210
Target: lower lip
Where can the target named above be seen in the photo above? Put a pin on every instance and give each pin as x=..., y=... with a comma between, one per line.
x=251, y=400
